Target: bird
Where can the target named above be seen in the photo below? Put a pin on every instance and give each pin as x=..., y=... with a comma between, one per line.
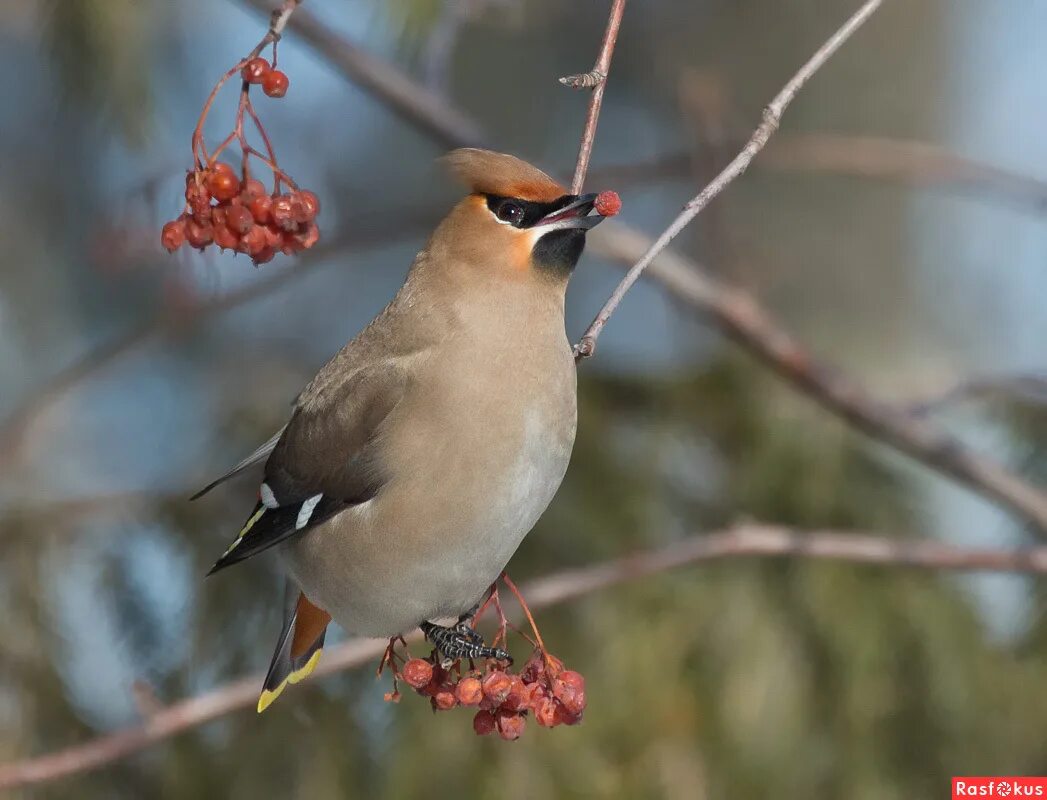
x=420, y=456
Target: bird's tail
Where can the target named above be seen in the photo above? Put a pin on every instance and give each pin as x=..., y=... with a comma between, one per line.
x=298, y=650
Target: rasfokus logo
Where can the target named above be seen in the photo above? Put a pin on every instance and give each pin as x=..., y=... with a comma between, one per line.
x=1008, y=787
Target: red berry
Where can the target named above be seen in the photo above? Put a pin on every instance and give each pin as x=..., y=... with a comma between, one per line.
x=469, y=691
x=510, y=725
x=299, y=211
x=534, y=669
x=565, y=717
x=283, y=212
x=197, y=234
x=261, y=208
x=223, y=183
x=199, y=199
x=265, y=256
x=545, y=713
x=226, y=238
x=534, y=693
x=608, y=204
x=173, y=235
x=239, y=220
x=417, y=673
x=253, y=241
x=569, y=689
x=275, y=83
x=255, y=70
x=444, y=699
x=496, y=686
x=252, y=189
x=274, y=237
x=483, y=723
x=308, y=236
x=195, y=191
x=290, y=243
x=311, y=203
x=518, y=694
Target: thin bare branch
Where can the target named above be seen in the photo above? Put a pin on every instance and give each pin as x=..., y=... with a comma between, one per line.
x=597, y=80
x=739, y=542
x=772, y=116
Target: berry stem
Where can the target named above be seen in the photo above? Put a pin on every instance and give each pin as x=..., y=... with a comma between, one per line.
x=198, y=133
x=265, y=139
x=279, y=173
x=527, y=612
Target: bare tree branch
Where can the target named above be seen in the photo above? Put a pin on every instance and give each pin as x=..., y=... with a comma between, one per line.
x=772, y=116
x=740, y=542
x=597, y=81
x=747, y=322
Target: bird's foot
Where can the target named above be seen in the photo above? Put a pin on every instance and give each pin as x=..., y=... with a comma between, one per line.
x=461, y=641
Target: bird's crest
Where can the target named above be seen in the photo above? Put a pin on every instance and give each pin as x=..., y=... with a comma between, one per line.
x=487, y=172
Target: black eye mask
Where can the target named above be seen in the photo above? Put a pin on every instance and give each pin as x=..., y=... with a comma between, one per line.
x=524, y=213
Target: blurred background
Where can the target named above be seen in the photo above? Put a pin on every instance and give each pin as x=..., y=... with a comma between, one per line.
x=128, y=378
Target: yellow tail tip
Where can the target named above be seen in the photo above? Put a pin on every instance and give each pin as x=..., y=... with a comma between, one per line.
x=266, y=698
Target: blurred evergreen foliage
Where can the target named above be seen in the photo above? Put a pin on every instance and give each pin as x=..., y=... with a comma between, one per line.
x=736, y=679
x=101, y=53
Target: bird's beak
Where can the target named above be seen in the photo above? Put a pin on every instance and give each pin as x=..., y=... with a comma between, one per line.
x=575, y=215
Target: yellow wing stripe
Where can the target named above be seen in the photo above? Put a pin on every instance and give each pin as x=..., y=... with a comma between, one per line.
x=244, y=530
x=266, y=698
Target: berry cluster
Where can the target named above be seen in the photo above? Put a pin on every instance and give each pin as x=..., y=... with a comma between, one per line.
x=227, y=207
x=503, y=699
x=242, y=216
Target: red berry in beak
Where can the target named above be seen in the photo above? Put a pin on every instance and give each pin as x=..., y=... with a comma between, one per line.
x=608, y=204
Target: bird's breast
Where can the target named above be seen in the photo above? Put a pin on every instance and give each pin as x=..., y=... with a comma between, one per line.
x=474, y=452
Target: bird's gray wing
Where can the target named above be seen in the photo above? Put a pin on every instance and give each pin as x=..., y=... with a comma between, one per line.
x=258, y=455
x=326, y=459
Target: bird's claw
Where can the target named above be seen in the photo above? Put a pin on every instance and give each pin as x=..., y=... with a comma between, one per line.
x=461, y=641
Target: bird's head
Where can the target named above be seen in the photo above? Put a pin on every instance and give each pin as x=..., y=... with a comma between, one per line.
x=517, y=220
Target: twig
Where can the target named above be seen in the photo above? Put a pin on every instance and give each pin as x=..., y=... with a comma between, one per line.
x=561, y=587
x=597, y=81
x=772, y=116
